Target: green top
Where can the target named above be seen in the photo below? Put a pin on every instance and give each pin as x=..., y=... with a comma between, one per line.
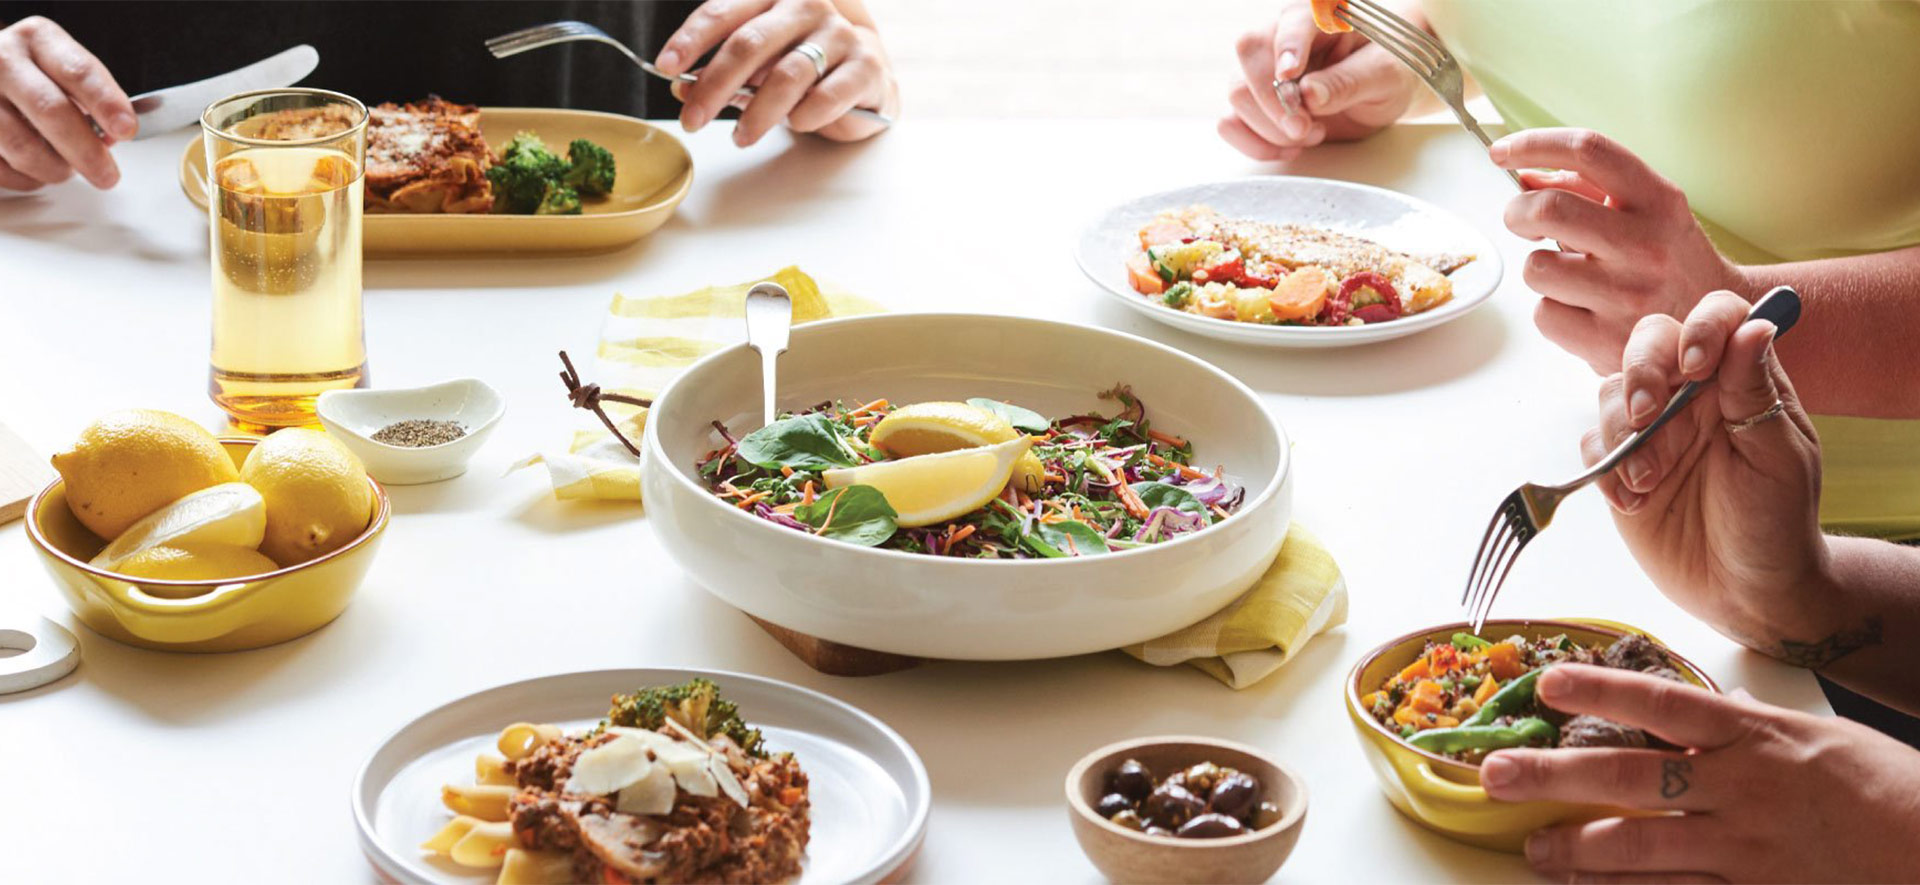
x=1794, y=128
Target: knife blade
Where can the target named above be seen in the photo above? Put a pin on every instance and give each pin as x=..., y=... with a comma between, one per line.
x=164, y=110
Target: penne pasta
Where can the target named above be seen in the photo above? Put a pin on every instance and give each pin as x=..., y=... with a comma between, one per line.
x=519, y=740
x=487, y=802
x=530, y=867
x=471, y=842
x=492, y=770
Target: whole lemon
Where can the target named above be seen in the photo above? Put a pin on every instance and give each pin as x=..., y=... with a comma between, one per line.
x=196, y=562
x=316, y=492
x=134, y=462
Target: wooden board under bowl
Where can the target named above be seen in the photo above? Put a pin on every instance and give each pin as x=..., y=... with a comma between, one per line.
x=653, y=173
x=23, y=473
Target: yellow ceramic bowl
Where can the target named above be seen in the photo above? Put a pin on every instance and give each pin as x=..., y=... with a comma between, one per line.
x=198, y=615
x=1444, y=795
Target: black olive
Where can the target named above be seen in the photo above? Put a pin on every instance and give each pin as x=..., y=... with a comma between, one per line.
x=1131, y=780
x=1112, y=804
x=1130, y=819
x=1171, y=805
x=1266, y=815
x=1210, y=826
x=1201, y=777
x=1235, y=796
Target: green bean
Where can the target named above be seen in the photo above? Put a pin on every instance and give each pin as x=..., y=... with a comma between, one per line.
x=1509, y=700
x=1469, y=642
x=1486, y=737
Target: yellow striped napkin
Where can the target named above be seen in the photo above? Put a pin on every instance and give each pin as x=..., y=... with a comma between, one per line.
x=644, y=343
x=1301, y=595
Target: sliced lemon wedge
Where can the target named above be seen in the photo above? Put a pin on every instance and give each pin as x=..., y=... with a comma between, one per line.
x=931, y=428
x=930, y=489
x=231, y=513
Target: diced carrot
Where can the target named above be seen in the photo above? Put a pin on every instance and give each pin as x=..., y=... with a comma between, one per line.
x=1487, y=687
x=1415, y=670
x=1503, y=660
x=1163, y=231
x=1299, y=295
x=1369, y=699
x=1427, y=697
x=1325, y=20
x=1142, y=277
x=1444, y=721
x=791, y=796
x=1405, y=715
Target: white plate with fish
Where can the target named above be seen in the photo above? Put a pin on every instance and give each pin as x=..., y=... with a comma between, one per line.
x=1301, y=245
x=866, y=790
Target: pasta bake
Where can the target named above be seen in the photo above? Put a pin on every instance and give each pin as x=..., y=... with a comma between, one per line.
x=427, y=157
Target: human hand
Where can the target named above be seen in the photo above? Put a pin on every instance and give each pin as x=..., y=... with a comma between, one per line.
x=1720, y=507
x=1631, y=246
x=758, y=40
x=1352, y=88
x=49, y=86
x=1764, y=794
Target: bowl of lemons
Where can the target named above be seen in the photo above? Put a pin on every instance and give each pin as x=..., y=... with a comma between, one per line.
x=162, y=536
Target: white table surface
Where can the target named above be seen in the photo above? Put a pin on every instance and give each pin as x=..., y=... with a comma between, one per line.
x=236, y=766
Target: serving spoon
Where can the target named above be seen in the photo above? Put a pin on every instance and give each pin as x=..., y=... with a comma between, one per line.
x=769, y=320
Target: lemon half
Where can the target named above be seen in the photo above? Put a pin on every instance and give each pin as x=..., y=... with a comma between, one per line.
x=930, y=428
x=196, y=562
x=930, y=489
x=229, y=513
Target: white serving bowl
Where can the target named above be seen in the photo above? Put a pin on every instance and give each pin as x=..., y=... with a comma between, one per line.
x=928, y=606
x=354, y=416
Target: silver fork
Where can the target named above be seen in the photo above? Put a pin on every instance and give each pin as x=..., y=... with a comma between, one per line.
x=1421, y=53
x=1530, y=508
x=540, y=36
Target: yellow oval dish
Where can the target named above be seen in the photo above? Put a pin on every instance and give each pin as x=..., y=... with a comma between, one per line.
x=1444, y=795
x=653, y=174
x=198, y=616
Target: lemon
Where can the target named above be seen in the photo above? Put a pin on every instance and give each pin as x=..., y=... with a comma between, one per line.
x=134, y=462
x=229, y=513
x=930, y=489
x=929, y=428
x=316, y=492
x=196, y=562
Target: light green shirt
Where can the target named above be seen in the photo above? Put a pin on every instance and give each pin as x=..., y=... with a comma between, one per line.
x=1792, y=125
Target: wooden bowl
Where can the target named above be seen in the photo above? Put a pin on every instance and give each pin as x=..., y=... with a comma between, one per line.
x=1125, y=855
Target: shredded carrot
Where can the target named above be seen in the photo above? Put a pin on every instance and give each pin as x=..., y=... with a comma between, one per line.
x=1183, y=469
x=806, y=493
x=1131, y=500
x=785, y=470
x=748, y=501
x=1167, y=438
x=965, y=532
x=876, y=404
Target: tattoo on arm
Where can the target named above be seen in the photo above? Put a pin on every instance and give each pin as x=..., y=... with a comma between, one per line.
x=1815, y=655
x=1673, y=778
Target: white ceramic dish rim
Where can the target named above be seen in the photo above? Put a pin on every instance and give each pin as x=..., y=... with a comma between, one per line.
x=493, y=416
x=1485, y=251
x=657, y=450
x=896, y=855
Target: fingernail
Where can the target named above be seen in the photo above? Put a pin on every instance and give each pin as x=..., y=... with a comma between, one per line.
x=1316, y=93
x=1498, y=771
x=696, y=118
x=740, y=136
x=1539, y=850
x=1638, y=473
x=1293, y=125
x=1640, y=405
x=1288, y=61
x=1767, y=347
x=1630, y=502
x=1497, y=152
x=669, y=60
x=123, y=126
x=1694, y=359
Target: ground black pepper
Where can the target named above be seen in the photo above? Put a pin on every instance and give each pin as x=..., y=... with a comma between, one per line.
x=419, y=433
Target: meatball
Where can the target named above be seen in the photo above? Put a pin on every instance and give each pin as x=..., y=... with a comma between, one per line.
x=1635, y=652
x=1593, y=731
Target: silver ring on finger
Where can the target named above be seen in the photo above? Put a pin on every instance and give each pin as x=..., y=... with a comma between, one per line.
x=814, y=54
x=1774, y=411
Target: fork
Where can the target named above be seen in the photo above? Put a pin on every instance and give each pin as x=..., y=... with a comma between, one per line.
x=1530, y=508
x=540, y=36
x=1421, y=53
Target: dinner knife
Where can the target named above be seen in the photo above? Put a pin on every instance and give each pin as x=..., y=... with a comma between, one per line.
x=164, y=110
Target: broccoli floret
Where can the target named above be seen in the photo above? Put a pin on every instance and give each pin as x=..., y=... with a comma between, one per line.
x=695, y=704
x=559, y=199
x=590, y=169
x=521, y=178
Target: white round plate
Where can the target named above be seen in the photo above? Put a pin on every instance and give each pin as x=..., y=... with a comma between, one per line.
x=869, y=791
x=1389, y=218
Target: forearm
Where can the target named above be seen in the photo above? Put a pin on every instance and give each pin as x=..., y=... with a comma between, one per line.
x=1858, y=624
x=1854, y=353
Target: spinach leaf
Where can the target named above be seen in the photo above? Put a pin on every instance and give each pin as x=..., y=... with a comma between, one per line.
x=854, y=514
x=805, y=442
x=1073, y=538
x=1160, y=494
x=1021, y=419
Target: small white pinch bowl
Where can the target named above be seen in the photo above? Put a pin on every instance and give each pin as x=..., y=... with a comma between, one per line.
x=972, y=609
x=354, y=416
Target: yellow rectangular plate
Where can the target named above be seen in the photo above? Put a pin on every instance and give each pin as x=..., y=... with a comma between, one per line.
x=653, y=173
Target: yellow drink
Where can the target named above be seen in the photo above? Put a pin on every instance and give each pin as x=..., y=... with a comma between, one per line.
x=285, y=236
